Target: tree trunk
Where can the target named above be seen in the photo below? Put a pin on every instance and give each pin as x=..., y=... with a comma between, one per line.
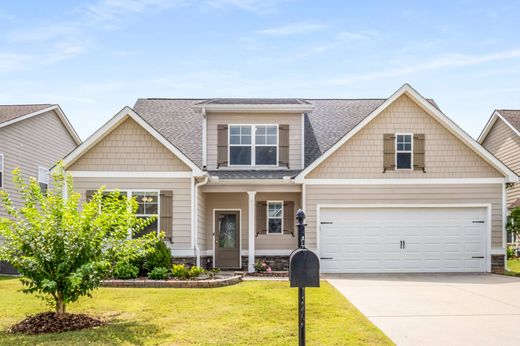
x=60, y=308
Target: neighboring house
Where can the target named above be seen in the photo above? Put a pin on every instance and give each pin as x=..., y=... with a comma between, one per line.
x=501, y=136
x=32, y=138
x=388, y=185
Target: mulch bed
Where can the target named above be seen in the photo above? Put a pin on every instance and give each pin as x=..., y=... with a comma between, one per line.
x=276, y=274
x=48, y=322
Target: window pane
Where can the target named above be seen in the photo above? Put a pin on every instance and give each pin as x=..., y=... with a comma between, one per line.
x=265, y=155
x=275, y=209
x=404, y=160
x=246, y=130
x=275, y=225
x=246, y=139
x=260, y=130
x=148, y=229
x=234, y=139
x=272, y=140
x=148, y=202
x=227, y=237
x=240, y=155
x=234, y=130
x=260, y=139
x=271, y=130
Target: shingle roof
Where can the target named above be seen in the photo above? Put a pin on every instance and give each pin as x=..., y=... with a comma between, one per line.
x=329, y=121
x=253, y=101
x=512, y=116
x=10, y=112
x=254, y=174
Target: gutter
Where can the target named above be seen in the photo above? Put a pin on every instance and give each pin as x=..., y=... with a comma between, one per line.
x=196, y=217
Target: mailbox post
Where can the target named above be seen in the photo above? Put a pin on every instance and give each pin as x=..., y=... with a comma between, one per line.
x=304, y=271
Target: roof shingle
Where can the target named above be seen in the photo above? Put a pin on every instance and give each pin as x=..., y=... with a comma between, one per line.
x=512, y=116
x=10, y=112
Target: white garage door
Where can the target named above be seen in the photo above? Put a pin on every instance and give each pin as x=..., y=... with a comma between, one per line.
x=377, y=240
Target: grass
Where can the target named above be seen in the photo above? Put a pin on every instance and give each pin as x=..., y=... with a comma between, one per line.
x=251, y=313
x=513, y=266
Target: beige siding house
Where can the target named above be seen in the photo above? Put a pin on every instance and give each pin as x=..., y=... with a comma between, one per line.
x=388, y=185
x=501, y=136
x=33, y=138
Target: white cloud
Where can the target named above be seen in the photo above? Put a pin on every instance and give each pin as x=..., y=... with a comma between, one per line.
x=111, y=10
x=259, y=7
x=440, y=62
x=294, y=29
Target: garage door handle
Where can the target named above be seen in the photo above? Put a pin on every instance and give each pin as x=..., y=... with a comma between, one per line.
x=477, y=257
x=327, y=258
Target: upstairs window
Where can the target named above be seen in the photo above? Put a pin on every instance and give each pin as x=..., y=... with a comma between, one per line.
x=251, y=145
x=43, y=179
x=403, y=151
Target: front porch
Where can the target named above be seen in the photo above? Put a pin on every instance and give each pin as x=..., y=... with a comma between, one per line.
x=239, y=225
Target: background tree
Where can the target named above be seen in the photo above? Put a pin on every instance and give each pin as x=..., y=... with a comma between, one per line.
x=513, y=221
x=61, y=249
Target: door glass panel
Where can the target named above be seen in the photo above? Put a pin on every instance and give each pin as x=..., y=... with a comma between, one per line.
x=228, y=231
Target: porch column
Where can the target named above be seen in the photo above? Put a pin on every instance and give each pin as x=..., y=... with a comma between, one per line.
x=251, y=228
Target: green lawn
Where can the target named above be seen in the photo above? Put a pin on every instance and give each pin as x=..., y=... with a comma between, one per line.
x=251, y=313
x=514, y=266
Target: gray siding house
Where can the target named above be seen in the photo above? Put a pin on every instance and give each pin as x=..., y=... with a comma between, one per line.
x=388, y=185
x=33, y=138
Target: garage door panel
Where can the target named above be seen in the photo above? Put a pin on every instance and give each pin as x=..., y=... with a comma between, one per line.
x=369, y=239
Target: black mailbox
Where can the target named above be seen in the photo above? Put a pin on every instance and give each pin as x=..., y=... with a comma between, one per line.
x=304, y=269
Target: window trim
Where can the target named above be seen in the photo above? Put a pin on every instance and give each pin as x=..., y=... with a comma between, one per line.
x=268, y=217
x=48, y=176
x=2, y=177
x=253, y=145
x=404, y=151
x=129, y=196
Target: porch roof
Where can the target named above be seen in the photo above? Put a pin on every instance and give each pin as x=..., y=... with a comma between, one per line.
x=253, y=174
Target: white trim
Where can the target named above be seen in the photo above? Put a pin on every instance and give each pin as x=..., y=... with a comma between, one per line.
x=192, y=212
x=504, y=216
x=435, y=113
x=488, y=207
x=302, y=166
x=265, y=108
x=403, y=151
x=410, y=181
x=267, y=218
x=2, y=170
x=121, y=116
x=489, y=125
x=498, y=251
x=304, y=197
x=284, y=252
x=204, y=138
x=183, y=253
x=60, y=114
x=253, y=146
x=251, y=230
x=47, y=176
x=239, y=233
x=120, y=174
x=196, y=218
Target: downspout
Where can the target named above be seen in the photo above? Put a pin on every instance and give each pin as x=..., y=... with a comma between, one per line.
x=196, y=217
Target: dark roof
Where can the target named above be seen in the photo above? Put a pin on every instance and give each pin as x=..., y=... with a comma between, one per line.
x=253, y=101
x=330, y=120
x=512, y=116
x=253, y=174
x=10, y=112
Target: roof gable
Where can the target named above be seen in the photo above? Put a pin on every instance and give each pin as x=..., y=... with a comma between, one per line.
x=430, y=109
x=111, y=125
x=510, y=117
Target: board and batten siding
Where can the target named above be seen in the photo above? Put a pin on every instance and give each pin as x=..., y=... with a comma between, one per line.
x=180, y=187
x=239, y=200
x=41, y=140
x=404, y=194
x=504, y=143
x=295, y=133
x=129, y=147
x=362, y=155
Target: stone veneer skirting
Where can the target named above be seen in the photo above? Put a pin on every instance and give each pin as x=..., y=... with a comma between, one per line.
x=498, y=263
x=145, y=283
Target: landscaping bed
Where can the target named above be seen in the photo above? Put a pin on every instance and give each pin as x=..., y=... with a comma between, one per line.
x=48, y=322
x=275, y=274
x=174, y=283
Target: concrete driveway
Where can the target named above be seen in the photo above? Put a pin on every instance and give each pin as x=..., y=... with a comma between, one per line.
x=437, y=309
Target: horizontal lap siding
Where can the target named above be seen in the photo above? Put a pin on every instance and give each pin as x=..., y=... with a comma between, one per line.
x=404, y=194
x=293, y=120
x=241, y=201
x=181, y=188
x=504, y=143
x=362, y=156
x=42, y=140
x=129, y=147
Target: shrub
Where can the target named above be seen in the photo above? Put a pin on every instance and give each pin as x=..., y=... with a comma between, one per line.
x=212, y=272
x=261, y=266
x=511, y=252
x=161, y=257
x=158, y=273
x=194, y=272
x=125, y=270
x=179, y=271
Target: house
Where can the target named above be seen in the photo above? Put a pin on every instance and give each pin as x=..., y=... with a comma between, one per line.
x=32, y=137
x=388, y=185
x=501, y=136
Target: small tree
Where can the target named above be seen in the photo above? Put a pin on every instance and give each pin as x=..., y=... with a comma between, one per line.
x=62, y=250
x=513, y=221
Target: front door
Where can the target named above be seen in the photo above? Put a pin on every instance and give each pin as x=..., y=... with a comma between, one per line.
x=227, y=234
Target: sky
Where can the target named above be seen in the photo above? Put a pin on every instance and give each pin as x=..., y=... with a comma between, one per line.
x=95, y=57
